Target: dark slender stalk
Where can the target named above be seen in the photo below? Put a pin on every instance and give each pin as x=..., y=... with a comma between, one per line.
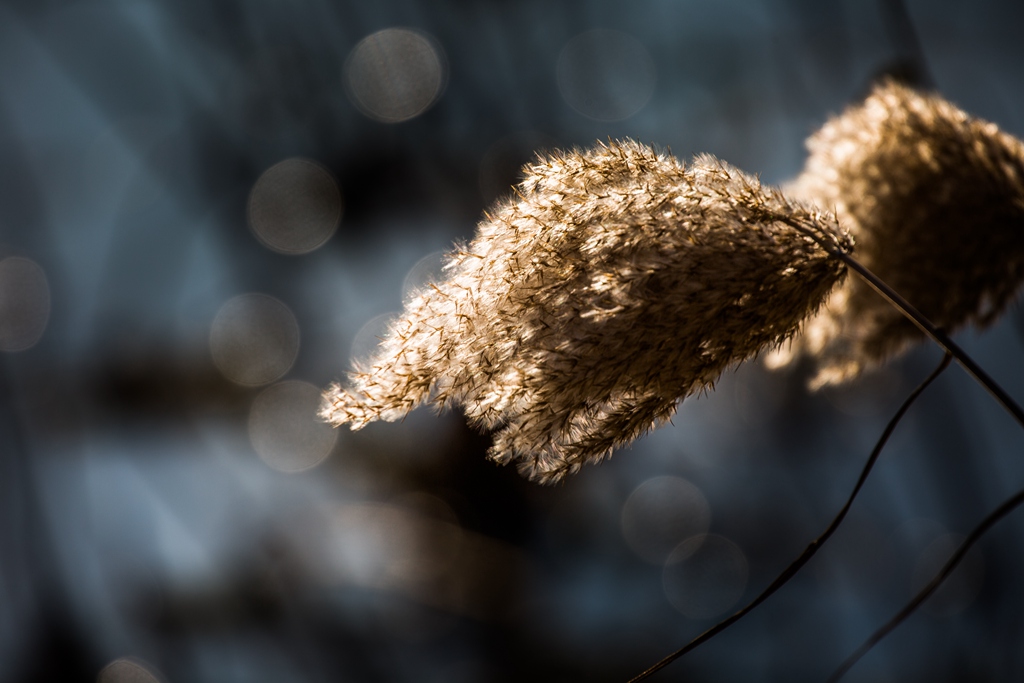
x=1006, y=508
x=938, y=336
x=816, y=544
x=916, y=317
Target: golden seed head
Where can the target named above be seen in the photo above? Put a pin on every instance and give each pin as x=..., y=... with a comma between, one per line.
x=614, y=284
x=935, y=200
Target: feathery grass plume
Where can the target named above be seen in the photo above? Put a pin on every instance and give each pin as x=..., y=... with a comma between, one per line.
x=935, y=200
x=616, y=283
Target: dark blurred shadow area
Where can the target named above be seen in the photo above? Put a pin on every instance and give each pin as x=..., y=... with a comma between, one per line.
x=210, y=210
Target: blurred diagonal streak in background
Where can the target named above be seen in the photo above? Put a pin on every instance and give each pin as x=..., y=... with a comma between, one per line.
x=202, y=202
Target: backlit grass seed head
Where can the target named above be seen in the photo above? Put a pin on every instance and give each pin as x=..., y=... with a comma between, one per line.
x=935, y=201
x=614, y=284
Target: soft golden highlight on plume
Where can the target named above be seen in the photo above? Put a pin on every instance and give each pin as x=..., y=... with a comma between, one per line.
x=616, y=283
x=935, y=200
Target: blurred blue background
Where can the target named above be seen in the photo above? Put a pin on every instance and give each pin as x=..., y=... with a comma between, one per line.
x=209, y=209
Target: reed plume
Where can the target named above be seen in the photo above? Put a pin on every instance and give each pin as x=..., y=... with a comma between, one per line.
x=614, y=284
x=935, y=201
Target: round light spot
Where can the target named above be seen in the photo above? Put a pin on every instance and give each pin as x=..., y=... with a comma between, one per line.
x=428, y=269
x=284, y=428
x=24, y=303
x=127, y=670
x=960, y=588
x=704, y=576
x=295, y=206
x=254, y=339
x=605, y=75
x=660, y=514
x=368, y=338
x=396, y=74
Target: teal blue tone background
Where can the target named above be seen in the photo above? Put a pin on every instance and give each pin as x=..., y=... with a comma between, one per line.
x=136, y=518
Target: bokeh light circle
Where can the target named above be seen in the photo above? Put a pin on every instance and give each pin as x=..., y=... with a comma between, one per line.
x=368, y=338
x=660, y=514
x=24, y=303
x=295, y=206
x=254, y=339
x=605, y=75
x=127, y=670
x=704, y=576
x=429, y=269
x=284, y=428
x=396, y=74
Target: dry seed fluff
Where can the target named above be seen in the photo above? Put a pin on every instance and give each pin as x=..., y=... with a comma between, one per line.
x=935, y=200
x=616, y=282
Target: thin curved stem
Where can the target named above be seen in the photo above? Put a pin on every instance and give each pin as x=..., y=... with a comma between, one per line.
x=937, y=335
x=814, y=545
x=916, y=317
x=1006, y=508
